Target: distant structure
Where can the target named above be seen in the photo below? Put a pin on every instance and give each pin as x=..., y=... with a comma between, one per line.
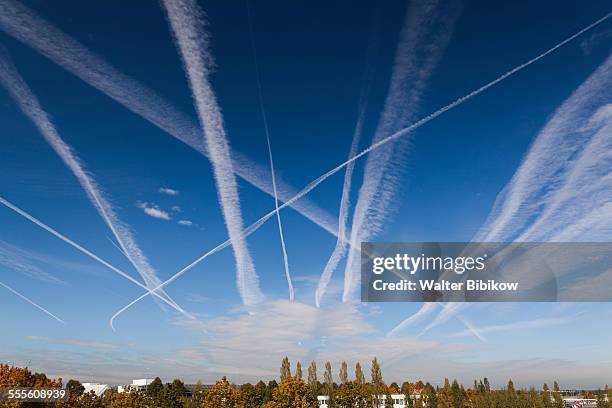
x=97, y=388
x=139, y=385
x=399, y=400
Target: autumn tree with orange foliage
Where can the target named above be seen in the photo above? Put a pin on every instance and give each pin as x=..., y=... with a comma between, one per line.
x=22, y=377
x=292, y=392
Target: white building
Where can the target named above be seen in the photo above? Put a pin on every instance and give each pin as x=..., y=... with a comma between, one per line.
x=97, y=388
x=399, y=400
x=136, y=385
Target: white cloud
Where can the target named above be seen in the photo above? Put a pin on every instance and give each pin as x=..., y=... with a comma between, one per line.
x=177, y=209
x=154, y=211
x=168, y=191
x=186, y=223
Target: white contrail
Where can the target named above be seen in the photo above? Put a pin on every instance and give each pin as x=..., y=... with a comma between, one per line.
x=85, y=251
x=187, y=23
x=565, y=180
x=313, y=184
x=566, y=172
x=280, y=224
x=33, y=303
x=18, y=21
x=448, y=310
x=27, y=101
x=414, y=318
x=267, y=133
x=423, y=39
x=342, y=242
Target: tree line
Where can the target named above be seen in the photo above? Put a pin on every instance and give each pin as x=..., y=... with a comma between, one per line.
x=296, y=389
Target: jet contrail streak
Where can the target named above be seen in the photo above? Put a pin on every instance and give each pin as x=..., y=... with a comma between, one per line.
x=33, y=303
x=414, y=318
x=18, y=21
x=313, y=184
x=187, y=23
x=342, y=242
x=27, y=101
x=85, y=251
x=267, y=132
x=563, y=176
x=424, y=36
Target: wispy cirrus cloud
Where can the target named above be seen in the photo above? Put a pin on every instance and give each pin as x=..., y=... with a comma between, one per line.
x=185, y=223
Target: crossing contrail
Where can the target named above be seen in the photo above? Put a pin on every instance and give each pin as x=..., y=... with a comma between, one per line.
x=85, y=251
x=267, y=132
x=565, y=180
x=414, y=318
x=32, y=303
x=566, y=172
x=342, y=240
x=25, y=25
x=313, y=184
x=424, y=36
x=28, y=103
x=187, y=23
x=341, y=243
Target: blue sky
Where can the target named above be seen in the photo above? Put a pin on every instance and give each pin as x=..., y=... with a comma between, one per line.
x=311, y=60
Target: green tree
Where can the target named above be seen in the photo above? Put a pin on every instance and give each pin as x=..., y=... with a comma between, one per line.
x=270, y=387
x=251, y=396
x=197, y=396
x=359, y=376
x=113, y=399
x=285, y=370
x=293, y=393
x=178, y=387
x=298, y=370
x=457, y=395
x=353, y=395
x=170, y=396
x=429, y=393
x=312, y=378
x=557, y=398
x=328, y=380
x=376, y=381
x=343, y=373
x=602, y=402
x=221, y=395
x=546, y=400
x=261, y=389
x=155, y=388
x=87, y=400
x=388, y=399
x=73, y=387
